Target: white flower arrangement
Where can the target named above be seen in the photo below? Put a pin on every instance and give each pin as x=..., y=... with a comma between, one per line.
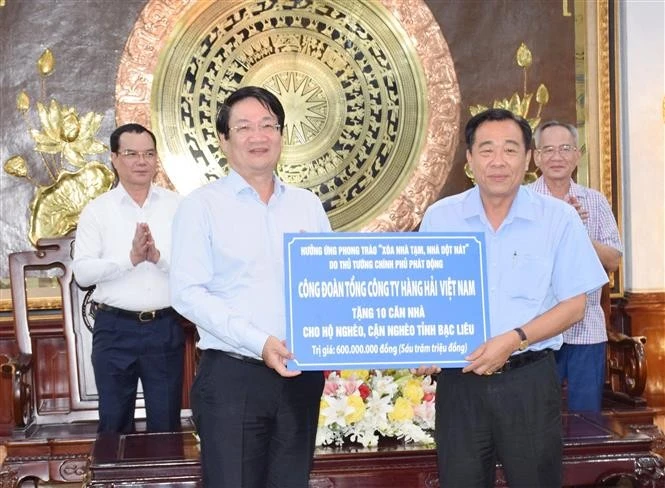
x=363, y=405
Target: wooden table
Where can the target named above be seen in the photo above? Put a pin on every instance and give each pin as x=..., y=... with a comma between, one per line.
x=597, y=452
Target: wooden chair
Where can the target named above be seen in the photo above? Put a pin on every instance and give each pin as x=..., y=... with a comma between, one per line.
x=626, y=362
x=55, y=383
x=54, y=406
x=41, y=398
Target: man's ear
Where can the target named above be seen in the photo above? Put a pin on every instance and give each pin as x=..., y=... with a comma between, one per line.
x=114, y=158
x=578, y=158
x=223, y=142
x=536, y=158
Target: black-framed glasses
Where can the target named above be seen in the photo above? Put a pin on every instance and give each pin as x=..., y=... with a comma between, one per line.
x=565, y=150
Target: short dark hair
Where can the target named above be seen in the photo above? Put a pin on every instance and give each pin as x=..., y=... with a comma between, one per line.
x=133, y=128
x=267, y=99
x=496, y=114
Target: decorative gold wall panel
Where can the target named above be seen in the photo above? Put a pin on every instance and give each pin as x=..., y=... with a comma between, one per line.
x=108, y=51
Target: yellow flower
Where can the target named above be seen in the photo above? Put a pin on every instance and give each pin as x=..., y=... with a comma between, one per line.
x=413, y=391
x=357, y=374
x=402, y=411
x=322, y=408
x=358, y=405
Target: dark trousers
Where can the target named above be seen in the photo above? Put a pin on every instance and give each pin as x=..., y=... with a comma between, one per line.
x=513, y=418
x=582, y=366
x=125, y=350
x=257, y=429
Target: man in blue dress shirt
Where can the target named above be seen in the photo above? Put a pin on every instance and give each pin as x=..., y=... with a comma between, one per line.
x=256, y=419
x=505, y=405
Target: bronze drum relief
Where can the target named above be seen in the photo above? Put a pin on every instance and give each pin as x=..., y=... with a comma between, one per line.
x=369, y=88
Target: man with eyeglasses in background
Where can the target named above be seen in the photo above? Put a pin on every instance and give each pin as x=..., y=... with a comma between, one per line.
x=256, y=419
x=581, y=359
x=122, y=247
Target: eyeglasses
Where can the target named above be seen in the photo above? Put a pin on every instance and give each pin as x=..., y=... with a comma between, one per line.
x=565, y=150
x=130, y=155
x=263, y=128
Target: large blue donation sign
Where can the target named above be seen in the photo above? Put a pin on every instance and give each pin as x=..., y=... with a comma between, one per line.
x=384, y=300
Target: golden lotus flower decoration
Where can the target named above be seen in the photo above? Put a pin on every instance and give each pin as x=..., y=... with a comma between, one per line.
x=16, y=166
x=518, y=104
x=56, y=208
x=46, y=63
x=64, y=142
x=22, y=102
x=65, y=133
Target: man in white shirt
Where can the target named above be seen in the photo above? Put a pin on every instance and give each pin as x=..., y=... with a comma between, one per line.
x=256, y=419
x=122, y=247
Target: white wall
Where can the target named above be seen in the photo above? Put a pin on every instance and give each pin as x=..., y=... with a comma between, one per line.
x=642, y=98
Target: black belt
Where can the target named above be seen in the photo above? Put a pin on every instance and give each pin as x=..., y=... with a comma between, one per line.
x=233, y=355
x=519, y=360
x=145, y=316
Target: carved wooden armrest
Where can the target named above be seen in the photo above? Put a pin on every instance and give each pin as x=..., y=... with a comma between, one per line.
x=17, y=371
x=626, y=363
x=8, y=478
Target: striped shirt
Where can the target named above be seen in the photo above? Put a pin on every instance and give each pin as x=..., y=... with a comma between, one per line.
x=602, y=227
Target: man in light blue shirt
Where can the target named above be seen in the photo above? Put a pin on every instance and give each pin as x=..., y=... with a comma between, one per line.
x=256, y=419
x=505, y=404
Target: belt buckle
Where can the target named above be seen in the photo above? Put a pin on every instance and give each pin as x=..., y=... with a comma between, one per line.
x=147, y=316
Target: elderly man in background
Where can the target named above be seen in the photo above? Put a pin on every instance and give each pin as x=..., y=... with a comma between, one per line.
x=581, y=359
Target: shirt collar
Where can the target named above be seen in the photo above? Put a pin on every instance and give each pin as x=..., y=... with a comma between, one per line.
x=523, y=205
x=574, y=190
x=577, y=190
x=239, y=184
x=124, y=198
